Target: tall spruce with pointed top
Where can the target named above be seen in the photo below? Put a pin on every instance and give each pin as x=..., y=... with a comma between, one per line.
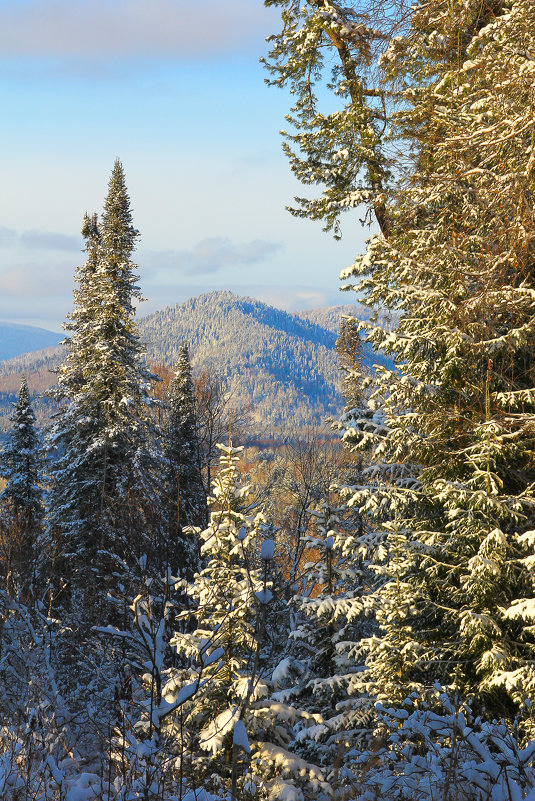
x=102, y=484
x=184, y=488
x=21, y=466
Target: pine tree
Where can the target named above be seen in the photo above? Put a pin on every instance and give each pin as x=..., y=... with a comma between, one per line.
x=186, y=498
x=102, y=484
x=21, y=466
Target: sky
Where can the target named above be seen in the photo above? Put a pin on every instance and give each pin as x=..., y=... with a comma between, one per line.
x=176, y=91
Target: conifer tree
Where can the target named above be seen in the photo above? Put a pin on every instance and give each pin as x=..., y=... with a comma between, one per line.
x=457, y=604
x=325, y=44
x=225, y=642
x=232, y=735
x=102, y=483
x=318, y=675
x=21, y=466
x=451, y=480
x=186, y=498
x=349, y=351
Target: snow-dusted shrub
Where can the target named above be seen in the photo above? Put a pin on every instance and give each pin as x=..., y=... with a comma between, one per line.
x=445, y=753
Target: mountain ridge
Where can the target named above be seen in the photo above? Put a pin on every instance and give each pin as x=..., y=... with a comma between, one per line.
x=17, y=339
x=282, y=365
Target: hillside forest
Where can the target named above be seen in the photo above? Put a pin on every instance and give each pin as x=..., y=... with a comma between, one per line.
x=348, y=616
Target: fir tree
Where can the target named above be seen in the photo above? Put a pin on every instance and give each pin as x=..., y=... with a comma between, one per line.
x=187, y=501
x=102, y=483
x=21, y=466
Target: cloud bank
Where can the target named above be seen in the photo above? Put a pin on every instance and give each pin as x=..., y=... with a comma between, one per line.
x=39, y=240
x=213, y=254
x=115, y=29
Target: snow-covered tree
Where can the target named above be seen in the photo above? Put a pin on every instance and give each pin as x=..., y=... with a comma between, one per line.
x=21, y=467
x=186, y=497
x=317, y=673
x=457, y=603
x=447, y=751
x=327, y=45
x=102, y=484
x=349, y=351
x=442, y=147
x=230, y=733
x=224, y=642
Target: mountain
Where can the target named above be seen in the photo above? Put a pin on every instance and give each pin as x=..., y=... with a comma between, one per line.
x=17, y=339
x=282, y=366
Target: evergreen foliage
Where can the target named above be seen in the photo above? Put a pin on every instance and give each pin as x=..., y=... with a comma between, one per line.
x=349, y=349
x=458, y=599
x=382, y=648
x=327, y=45
x=225, y=643
x=319, y=674
x=275, y=364
x=185, y=491
x=102, y=482
x=22, y=509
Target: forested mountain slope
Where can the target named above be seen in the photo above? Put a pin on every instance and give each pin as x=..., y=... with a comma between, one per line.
x=329, y=317
x=282, y=366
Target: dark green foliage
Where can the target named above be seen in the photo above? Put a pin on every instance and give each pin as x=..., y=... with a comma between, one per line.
x=21, y=466
x=184, y=487
x=103, y=485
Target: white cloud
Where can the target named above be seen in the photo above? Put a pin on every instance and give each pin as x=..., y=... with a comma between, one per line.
x=42, y=281
x=211, y=255
x=115, y=29
x=39, y=240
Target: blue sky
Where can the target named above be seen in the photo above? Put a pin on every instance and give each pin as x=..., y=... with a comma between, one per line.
x=175, y=90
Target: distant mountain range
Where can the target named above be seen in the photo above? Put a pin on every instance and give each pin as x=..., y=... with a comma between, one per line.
x=18, y=339
x=282, y=366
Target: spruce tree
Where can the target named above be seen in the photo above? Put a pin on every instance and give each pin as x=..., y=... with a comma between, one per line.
x=231, y=735
x=185, y=492
x=448, y=131
x=457, y=603
x=102, y=494
x=21, y=466
x=224, y=641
